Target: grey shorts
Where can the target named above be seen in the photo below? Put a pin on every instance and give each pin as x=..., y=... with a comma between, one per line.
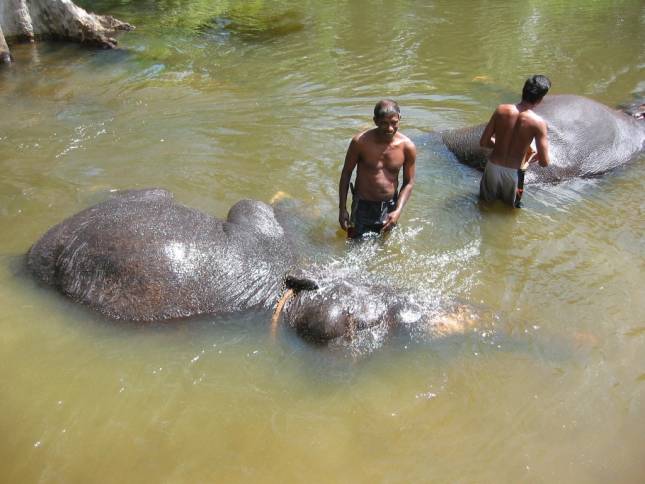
x=499, y=183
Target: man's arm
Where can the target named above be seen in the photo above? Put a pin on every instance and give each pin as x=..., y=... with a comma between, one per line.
x=487, y=139
x=409, y=177
x=351, y=160
x=542, y=143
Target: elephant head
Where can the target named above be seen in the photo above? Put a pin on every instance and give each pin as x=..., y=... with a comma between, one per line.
x=336, y=306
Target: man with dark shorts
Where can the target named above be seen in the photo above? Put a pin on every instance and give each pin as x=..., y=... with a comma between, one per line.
x=378, y=155
x=511, y=132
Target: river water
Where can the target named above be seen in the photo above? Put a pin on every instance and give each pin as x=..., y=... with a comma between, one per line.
x=218, y=101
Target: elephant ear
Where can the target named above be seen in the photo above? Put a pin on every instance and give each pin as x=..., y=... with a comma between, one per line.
x=257, y=216
x=301, y=280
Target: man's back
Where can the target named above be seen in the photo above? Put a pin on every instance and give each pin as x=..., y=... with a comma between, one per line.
x=514, y=130
x=509, y=135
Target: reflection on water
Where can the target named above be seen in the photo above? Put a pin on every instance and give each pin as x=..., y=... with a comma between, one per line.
x=256, y=27
x=218, y=101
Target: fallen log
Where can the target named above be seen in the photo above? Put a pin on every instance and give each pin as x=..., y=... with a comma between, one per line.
x=30, y=20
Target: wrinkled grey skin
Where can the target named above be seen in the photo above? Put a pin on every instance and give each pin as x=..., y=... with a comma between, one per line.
x=586, y=139
x=140, y=256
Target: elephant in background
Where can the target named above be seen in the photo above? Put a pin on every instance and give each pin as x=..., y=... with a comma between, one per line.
x=586, y=139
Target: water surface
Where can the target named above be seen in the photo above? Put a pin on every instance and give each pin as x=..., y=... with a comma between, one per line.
x=218, y=101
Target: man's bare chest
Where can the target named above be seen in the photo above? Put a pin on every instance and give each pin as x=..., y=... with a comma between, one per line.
x=389, y=159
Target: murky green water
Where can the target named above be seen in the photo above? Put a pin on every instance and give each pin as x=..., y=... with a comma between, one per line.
x=218, y=101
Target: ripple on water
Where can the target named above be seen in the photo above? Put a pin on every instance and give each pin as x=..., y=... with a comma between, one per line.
x=556, y=356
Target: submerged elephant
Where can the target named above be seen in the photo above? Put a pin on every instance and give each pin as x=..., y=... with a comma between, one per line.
x=330, y=307
x=586, y=139
x=139, y=256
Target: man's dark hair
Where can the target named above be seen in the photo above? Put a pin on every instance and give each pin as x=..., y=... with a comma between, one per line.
x=386, y=107
x=535, y=88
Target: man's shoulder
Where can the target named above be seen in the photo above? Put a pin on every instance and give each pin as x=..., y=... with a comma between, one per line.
x=364, y=136
x=533, y=118
x=408, y=147
x=403, y=140
x=506, y=109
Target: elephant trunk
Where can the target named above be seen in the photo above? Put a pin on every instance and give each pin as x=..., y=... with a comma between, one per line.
x=464, y=144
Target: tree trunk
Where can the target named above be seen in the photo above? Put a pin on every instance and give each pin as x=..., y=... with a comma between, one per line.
x=29, y=20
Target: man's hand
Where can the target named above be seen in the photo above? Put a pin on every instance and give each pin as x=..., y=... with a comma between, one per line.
x=530, y=154
x=343, y=218
x=391, y=220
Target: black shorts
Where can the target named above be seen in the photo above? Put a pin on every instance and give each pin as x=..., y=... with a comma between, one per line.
x=369, y=216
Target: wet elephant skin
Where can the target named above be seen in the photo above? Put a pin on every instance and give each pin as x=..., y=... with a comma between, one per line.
x=139, y=256
x=586, y=139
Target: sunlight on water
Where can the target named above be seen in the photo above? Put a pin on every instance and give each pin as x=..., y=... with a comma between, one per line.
x=219, y=101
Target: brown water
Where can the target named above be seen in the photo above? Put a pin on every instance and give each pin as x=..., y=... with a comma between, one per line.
x=218, y=101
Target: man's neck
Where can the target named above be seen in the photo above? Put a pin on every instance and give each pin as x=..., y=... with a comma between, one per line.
x=383, y=140
x=525, y=106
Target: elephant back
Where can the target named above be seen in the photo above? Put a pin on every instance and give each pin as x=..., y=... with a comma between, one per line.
x=140, y=256
x=586, y=138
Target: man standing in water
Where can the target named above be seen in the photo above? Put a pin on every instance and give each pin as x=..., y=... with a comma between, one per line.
x=378, y=154
x=511, y=130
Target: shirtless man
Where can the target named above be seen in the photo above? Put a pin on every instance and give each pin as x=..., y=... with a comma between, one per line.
x=511, y=130
x=378, y=154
